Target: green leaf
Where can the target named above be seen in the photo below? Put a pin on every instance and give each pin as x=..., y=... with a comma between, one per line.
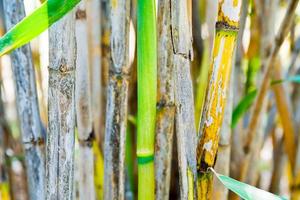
x=293, y=79
x=244, y=190
x=33, y=25
x=242, y=107
x=247, y=101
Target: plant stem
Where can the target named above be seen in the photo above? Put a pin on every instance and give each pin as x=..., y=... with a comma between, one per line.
x=94, y=26
x=116, y=110
x=84, y=107
x=165, y=103
x=212, y=118
x=27, y=105
x=147, y=86
x=61, y=110
x=256, y=114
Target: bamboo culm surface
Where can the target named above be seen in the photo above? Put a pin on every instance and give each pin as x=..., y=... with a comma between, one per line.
x=147, y=86
x=27, y=105
x=61, y=110
x=117, y=97
x=84, y=107
x=227, y=27
x=165, y=103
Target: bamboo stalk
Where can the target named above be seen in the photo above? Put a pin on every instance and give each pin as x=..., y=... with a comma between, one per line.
x=94, y=39
x=256, y=114
x=284, y=108
x=181, y=36
x=223, y=161
x=225, y=40
x=27, y=105
x=165, y=103
x=61, y=110
x=117, y=97
x=84, y=107
x=105, y=63
x=147, y=84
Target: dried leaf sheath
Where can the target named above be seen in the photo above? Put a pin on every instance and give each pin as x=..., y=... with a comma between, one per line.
x=116, y=108
x=219, y=75
x=61, y=110
x=165, y=104
x=27, y=105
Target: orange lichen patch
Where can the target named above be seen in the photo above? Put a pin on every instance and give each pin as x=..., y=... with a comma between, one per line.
x=216, y=97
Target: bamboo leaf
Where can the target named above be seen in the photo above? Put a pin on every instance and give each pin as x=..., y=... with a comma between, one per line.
x=247, y=101
x=33, y=25
x=244, y=190
x=292, y=79
x=242, y=107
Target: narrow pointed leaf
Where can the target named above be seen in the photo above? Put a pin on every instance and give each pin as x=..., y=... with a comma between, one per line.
x=34, y=24
x=242, y=107
x=245, y=191
x=292, y=79
x=247, y=101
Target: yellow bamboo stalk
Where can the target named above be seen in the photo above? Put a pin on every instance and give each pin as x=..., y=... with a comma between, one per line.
x=219, y=74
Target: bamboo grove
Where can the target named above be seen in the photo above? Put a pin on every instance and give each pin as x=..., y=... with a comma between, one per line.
x=149, y=99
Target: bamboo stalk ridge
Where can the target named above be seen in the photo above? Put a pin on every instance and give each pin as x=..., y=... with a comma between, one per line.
x=227, y=27
x=147, y=87
x=61, y=110
x=165, y=103
x=84, y=107
x=117, y=97
x=27, y=105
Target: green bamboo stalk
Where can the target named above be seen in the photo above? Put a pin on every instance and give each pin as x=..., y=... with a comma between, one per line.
x=147, y=75
x=27, y=105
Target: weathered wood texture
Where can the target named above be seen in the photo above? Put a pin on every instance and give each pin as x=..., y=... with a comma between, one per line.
x=117, y=95
x=27, y=105
x=84, y=107
x=181, y=36
x=61, y=110
x=165, y=102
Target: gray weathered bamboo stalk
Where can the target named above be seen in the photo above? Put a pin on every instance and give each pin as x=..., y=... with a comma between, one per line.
x=116, y=110
x=61, y=110
x=84, y=107
x=94, y=35
x=181, y=36
x=165, y=105
x=27, y=105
